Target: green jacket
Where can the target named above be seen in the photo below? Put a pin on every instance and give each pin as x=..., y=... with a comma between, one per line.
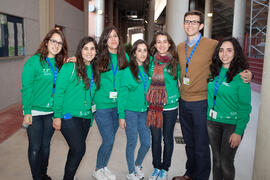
x=70, y=95
x=37, y=85
x=102, y=96
x=132, y=94
x=170, y=84
x=233, y=101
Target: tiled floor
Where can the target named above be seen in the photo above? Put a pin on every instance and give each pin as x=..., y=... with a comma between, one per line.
x=14, y=163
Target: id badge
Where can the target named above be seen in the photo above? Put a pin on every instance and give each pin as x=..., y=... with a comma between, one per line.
x=113, y=95
x=186, y=81
x=213, y=114
x=94, y=108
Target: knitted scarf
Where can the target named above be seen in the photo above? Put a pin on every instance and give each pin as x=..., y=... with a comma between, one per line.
x=157, y=94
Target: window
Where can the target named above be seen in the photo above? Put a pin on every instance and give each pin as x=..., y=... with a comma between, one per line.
x=12, y=36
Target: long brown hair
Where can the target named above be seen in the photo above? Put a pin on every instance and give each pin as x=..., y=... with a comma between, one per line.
x=43, y=48
x=172, y=49
x=104, y=59
x=133, y=65
x=238, y=64
x=80, y=65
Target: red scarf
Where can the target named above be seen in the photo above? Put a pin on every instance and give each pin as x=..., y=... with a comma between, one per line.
x=157, y=94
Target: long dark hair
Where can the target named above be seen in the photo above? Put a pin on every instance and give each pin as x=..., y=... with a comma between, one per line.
x=172, y=49
x=43, y=48
x=238, y=64
x=134, y=67
x=80, y=65
x=104, y=56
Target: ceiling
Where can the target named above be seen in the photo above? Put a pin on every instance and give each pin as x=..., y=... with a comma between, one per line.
x=222, y=19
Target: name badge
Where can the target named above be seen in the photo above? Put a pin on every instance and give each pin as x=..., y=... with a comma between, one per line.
x=113, y=95
x=94, y=108
x=186, y=81
x=213, y=114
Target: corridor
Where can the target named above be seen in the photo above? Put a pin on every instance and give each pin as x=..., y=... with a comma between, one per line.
x=14, y=164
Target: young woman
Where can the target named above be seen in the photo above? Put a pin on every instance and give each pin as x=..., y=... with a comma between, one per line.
x=162, y=97
x=38, y=87
x=132, y=107
x=228, y=106
x=112, y=58
x=73, y=102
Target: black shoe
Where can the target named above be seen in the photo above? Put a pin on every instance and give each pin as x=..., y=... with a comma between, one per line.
x=46, y=177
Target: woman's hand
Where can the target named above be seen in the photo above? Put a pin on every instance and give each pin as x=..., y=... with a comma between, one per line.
x=71, y=59
x=235, y=140
x=27, y=119
x=246, y=75
x=57, y=124
x=122, y=123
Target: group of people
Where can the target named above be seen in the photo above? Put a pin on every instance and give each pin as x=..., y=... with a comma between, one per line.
x=139, y=93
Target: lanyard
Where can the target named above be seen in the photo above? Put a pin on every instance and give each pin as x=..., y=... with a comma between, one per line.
x=144, y=79
x=191, y=54
x=114, y=74
x=217, y=84
x=91, y=82
x=54, y=70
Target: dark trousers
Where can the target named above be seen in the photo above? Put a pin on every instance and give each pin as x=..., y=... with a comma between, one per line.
x=39, y=136
x=194, y=128
x=223, y=154
x=75, y=131
x=169, y=119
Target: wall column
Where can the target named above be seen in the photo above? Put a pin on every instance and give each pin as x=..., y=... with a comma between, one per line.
x=100, y=5
x=175, y=12
x=46, y=13
x=151, y=23
x=111, y=8
x=239, y=20
x=262, y=157
x=208, y=19
x=86, y=17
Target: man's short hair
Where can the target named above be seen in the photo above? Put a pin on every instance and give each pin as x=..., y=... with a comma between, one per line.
x=197, y=13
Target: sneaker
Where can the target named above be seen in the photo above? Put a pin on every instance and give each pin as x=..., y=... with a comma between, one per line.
x=139, y=173
x=109, y=174
x=45, y=177
x=163, y=175
x=132, y=176
x=155, y=174
x=99, y=175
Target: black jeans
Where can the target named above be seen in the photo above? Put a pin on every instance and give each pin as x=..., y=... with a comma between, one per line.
x=75, y=131
x=223, y=155
x=192, y=116
x=39, y=137
x=169, y=119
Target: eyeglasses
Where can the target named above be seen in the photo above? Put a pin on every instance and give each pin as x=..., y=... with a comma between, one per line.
x=194, y=22
x=56, y=42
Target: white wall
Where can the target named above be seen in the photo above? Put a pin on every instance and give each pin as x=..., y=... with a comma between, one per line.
x=11, y=69
x=73, y=20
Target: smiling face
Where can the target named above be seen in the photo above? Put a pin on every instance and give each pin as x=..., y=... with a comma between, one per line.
x=141, y=53
x=226, y=53
x=88, y=52
x=192, y=25
x=113, y=42
x=54, y=45
x=162, y=45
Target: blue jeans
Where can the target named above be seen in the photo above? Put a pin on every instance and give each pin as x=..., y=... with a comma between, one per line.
x=39, y=136
x=136, y=123
x=107, y=122
x=193, y=124
x=223, y=155
x=75, y=131
x=169, y=120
